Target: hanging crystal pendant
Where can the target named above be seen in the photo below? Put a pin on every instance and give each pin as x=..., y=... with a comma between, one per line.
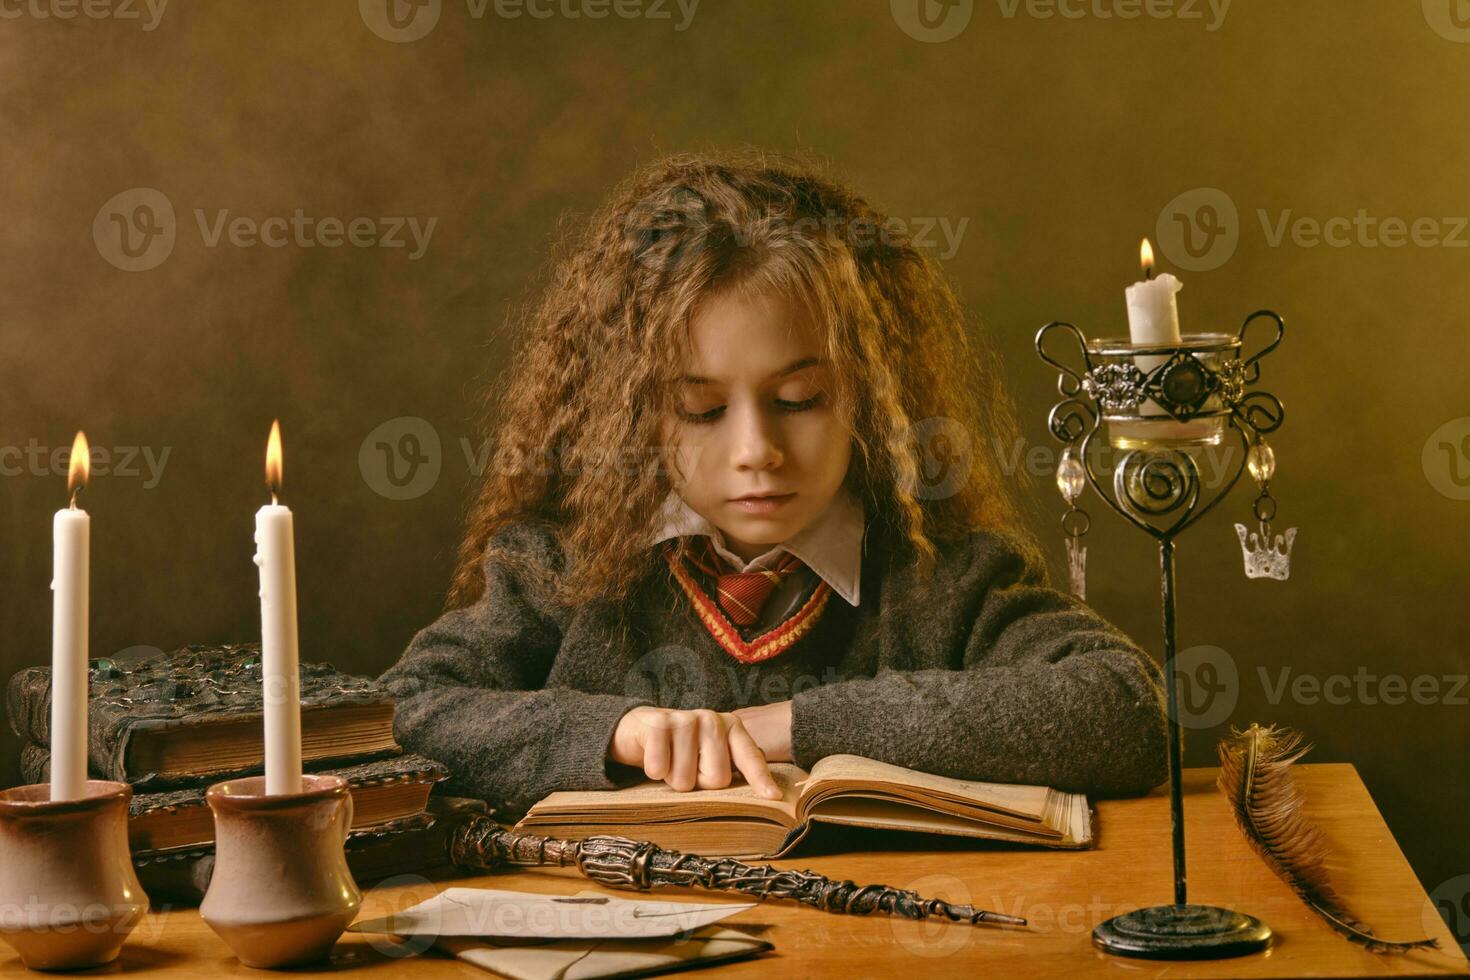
x=1077, y=567
x=1071, y=480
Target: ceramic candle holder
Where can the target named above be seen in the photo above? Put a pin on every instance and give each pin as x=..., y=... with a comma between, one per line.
x=68, y=894
x=281, y=893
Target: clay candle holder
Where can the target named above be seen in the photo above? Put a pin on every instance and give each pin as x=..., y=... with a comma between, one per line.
x=281, y=893
x=68, y=894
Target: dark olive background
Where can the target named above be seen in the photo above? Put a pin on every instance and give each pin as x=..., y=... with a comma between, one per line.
x=1059, y=141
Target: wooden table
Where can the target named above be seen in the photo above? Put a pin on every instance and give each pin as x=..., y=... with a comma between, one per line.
x=1064, y=894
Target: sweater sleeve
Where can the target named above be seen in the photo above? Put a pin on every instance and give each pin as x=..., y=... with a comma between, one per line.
x=1046, y=692
x=470, y=694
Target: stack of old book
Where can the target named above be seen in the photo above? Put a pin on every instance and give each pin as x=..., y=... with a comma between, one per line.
x=170, y=725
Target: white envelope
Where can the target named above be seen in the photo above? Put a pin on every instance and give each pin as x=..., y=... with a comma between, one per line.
x=525, y=915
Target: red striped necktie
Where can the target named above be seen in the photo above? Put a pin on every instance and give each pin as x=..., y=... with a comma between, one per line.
x=742, y=595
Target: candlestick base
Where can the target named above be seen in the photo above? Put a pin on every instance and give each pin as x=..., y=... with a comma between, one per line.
x=1182, y=932
x=69, y=896
x=281, y=893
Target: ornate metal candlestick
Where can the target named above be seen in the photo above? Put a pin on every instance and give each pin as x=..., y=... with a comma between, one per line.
x=1161, y=404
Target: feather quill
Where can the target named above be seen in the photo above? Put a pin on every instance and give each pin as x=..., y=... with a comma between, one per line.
x=1256, y=776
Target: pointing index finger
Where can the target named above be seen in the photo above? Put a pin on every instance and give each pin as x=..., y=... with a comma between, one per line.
x=751, y=762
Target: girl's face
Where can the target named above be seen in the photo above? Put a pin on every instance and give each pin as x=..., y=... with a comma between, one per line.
x=754, y=415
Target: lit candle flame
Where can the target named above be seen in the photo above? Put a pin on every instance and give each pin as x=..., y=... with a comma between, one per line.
x=1146, y=258
x=80, y=468
x=273, y=460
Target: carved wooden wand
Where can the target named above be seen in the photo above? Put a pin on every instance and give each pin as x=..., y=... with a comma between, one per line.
x=618, y=862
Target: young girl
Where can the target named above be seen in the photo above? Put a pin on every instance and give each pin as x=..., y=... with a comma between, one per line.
x=705, y=542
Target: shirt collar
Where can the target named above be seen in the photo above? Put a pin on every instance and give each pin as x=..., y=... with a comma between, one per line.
x=832, y=545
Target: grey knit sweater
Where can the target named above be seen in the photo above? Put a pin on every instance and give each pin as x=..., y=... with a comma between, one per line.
x=986, y=673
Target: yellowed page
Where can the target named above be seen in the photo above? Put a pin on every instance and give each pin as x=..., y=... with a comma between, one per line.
x=838, y=772
x=653, y=800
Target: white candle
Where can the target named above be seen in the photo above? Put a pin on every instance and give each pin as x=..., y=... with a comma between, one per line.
x=1153, y=311
x=275, y=553
x=71, y=538
x=1153, y=316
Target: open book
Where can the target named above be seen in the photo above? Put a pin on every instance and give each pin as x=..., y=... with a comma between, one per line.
x=840, y=789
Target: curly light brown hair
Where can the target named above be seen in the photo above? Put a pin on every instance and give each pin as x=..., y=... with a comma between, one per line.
x=576, y=431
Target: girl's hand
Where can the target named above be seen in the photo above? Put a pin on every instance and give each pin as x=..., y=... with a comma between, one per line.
x=690, y=748
x=770, y=726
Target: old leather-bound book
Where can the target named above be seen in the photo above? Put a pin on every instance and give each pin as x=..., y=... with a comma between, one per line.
x=383, y=790
x=413, y=845
x=168, y=719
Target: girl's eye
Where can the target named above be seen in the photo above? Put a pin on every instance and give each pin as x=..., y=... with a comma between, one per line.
x=785, y=405
x=702, y=418
x=801, y=406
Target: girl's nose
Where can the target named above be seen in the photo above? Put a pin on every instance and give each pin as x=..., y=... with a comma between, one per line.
x=755, y=445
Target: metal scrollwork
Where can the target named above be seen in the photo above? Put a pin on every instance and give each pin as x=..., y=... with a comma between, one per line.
x=1259, y=410
x=1116, y=387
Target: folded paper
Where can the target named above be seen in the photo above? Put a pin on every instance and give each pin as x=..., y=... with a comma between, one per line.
x=480, y=912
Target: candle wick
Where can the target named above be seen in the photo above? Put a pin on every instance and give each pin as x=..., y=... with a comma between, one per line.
x=274, y=500
x=74, y=497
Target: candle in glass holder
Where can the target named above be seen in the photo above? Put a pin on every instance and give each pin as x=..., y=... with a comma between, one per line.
x=71, y=538
x=275, y=553
x=1153, y=321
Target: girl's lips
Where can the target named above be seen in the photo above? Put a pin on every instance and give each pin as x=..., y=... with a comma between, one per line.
x=762, y=505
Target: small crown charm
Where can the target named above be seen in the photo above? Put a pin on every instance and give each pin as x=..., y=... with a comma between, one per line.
x=1264, y=557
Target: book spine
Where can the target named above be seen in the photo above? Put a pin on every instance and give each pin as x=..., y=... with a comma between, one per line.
x=35, y=763
x=27, y=704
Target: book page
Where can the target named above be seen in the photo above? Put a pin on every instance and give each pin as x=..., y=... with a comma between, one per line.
x=891, y=815
x=837, y=772
x=656, y=800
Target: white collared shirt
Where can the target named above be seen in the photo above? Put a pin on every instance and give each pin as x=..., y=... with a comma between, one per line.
x=831, y=546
